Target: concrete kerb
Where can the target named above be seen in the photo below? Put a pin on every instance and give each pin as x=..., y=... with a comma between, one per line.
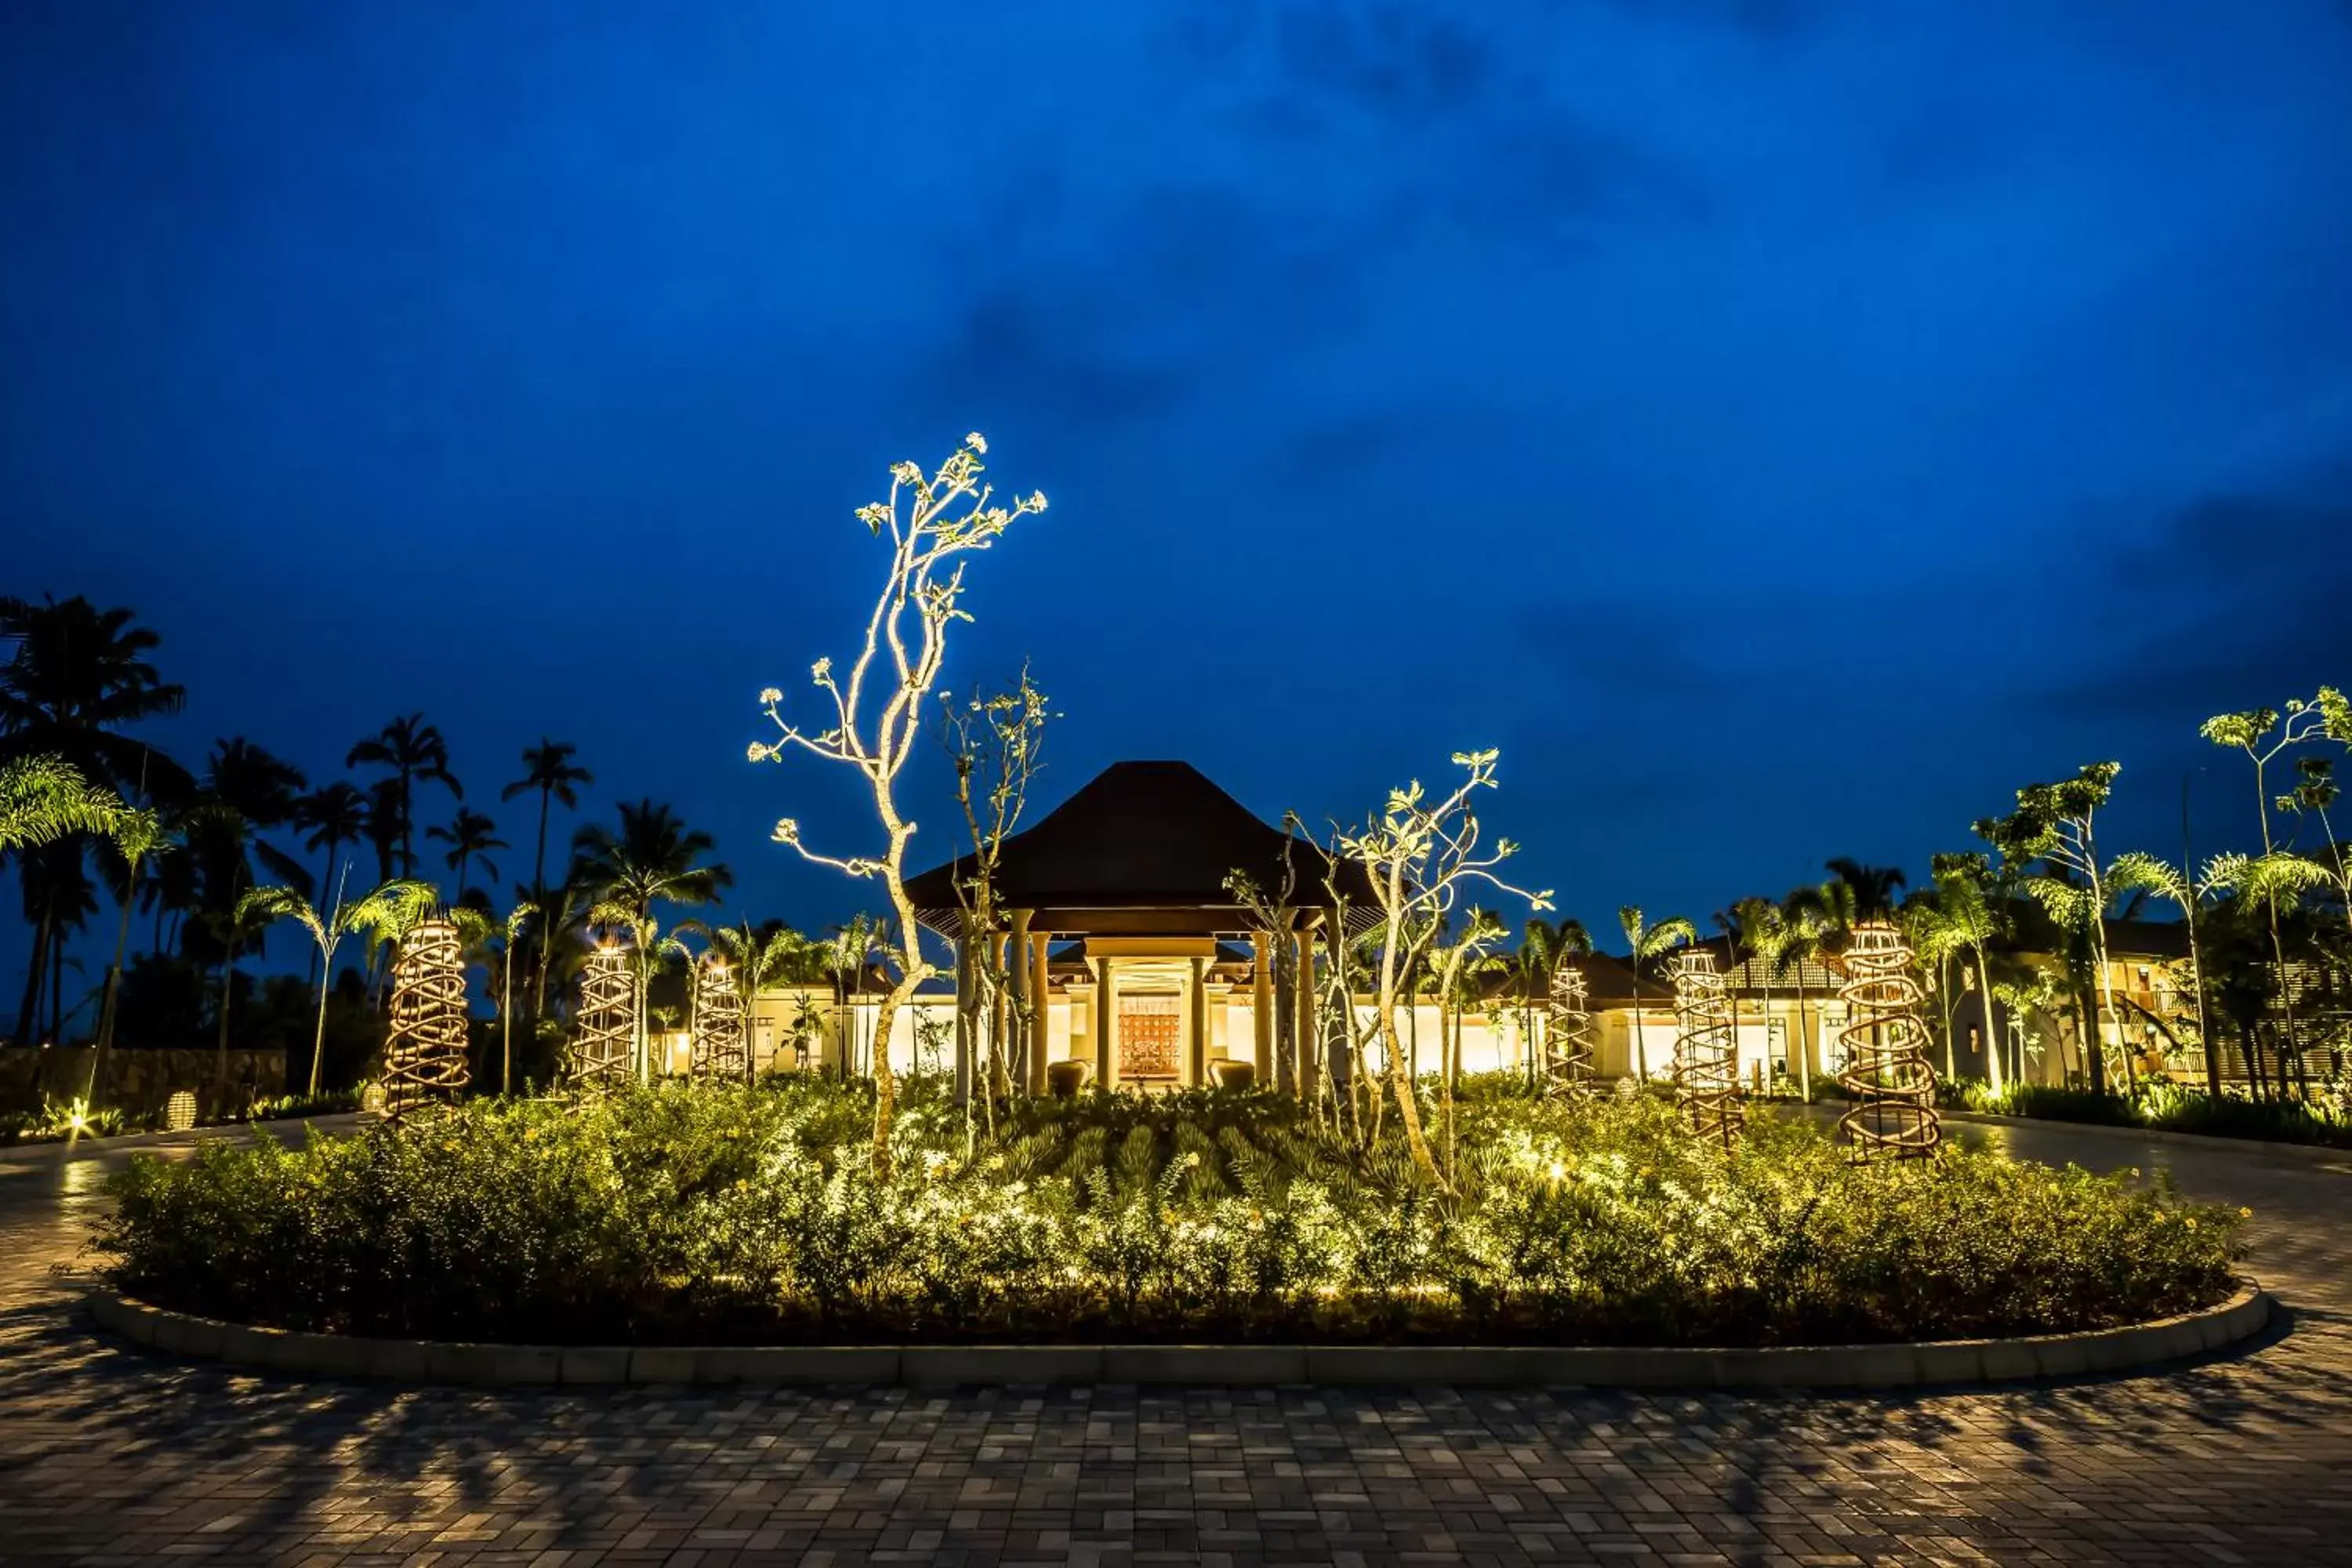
x=932, y=1366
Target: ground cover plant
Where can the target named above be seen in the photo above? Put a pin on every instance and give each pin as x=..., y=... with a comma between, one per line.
x=2172, y=1107
x=748, y=1214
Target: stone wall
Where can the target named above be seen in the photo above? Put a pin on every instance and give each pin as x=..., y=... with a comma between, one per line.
x=137, y=1081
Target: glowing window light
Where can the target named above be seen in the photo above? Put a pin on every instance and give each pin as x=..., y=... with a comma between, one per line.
x=1706, y=1067
x=603, y=1035
x=719, y=1055
x=425, y=1057
x=1567, y=1037
x=1887, y=1072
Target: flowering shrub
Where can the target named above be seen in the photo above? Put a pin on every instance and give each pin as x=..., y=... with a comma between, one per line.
x=733, y=1215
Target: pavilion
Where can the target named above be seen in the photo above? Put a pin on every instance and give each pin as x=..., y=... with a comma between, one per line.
x=1128, y=950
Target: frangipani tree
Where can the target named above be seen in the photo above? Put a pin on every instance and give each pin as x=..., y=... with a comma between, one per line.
x=1421, y=855
x=870, y=714
x=2261, y=735
x=390, y=908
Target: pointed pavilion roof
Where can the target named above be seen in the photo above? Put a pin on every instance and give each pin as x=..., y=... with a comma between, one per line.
x=1142, y=848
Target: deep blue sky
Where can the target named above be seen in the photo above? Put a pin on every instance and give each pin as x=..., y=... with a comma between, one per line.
x=1782, y=427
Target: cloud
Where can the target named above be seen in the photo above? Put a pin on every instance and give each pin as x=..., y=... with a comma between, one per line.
x=1400, y=62
x=2233, y=600
x=1094, y=318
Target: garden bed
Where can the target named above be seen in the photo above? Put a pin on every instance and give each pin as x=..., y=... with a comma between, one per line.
x=732, y=1216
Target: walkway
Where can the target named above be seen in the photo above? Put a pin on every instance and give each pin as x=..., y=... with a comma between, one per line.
x=108, y=1455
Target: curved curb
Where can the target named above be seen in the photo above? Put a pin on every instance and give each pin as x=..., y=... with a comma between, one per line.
x=1253, y=1365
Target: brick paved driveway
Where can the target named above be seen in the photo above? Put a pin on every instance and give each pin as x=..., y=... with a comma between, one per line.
x=108, y=1456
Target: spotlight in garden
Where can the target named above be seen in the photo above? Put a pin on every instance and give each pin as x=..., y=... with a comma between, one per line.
x=425, y=1057
x=1706, y=1068
x=1887, y=1072
x=602, y=1035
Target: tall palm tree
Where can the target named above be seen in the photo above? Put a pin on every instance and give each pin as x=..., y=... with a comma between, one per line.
x=330, y=816
x=1969, y=915
x=412, y=749
x=247, y=791
x=1803, y=933
x=1649, y=944
x=1544, y=946
x=549, y=769
x=76, y=677
x=1873, y=886
x=470, y=836
x=652, y=858
x=760, y=956
x=389, y=902
x=138, y=837
x=1758, y=925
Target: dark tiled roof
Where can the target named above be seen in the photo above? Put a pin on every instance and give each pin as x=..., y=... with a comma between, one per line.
x=1141, y=835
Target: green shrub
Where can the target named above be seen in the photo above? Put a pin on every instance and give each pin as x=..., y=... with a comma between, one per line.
x=2171, y=1107
x=731, y=1215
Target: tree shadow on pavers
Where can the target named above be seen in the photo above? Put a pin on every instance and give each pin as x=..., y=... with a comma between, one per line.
x=1925, y=1452
x=385, y=1449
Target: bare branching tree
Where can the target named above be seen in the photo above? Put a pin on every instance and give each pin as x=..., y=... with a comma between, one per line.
x=995, y=742
x=1422, y=855
x=932, y=522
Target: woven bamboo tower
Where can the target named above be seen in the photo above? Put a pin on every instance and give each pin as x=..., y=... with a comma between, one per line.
x=1567, y=1037
x=425, y=1056
x=1887, y=1072
x=1706, y=1066
x=602, y=1033
x=720, y=1054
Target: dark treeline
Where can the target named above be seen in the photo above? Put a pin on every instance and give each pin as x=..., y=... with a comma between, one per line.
x=245, y=853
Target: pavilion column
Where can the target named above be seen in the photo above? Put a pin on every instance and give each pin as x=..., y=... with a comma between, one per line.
x=1197, y=1047
x=1000, y=1004
x=1304, y=988
x=1040, y=1038
x=963, y=1030
x=1105, y=1011
x=1262, y=1006
x=1017, y=961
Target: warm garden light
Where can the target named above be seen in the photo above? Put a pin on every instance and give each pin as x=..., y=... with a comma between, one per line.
x=1887, y=1072
x=1568, y=1036
x=604, y=1033
x=1706, y=1066
x=718, y=1034
x=425, y=1056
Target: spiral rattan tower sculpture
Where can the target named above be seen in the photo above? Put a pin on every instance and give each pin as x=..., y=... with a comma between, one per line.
x=718, y=1054
x=1706, y=1066
x=425, y=1059
x=601, y=1036
x=1567, y=1037
x=1886, y=1071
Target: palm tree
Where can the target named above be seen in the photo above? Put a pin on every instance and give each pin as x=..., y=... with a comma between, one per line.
x=246, y=791
x=45, y=798
x=470, y=837
x=331, y=817
x=413, y=750
x=517, y=917
x=651, y=859
x=1544, y=945
x=760, y=956
x=137, y=836
x=1760, y=927
x=1873, y=886
x=76, y=677
x=2137, y=870
x=548, y=768
x=1972, y=914
x=1648, y=945
x=394, y=902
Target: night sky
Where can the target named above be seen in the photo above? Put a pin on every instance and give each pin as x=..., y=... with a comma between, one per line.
x=1782, y=428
